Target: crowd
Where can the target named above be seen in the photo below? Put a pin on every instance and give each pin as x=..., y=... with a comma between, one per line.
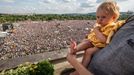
x=32, y=37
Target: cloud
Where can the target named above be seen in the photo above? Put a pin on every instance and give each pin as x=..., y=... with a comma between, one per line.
x=8, y=1
x=5, y=9
x=93, y=1
x=86, y=5
x=99, y=1
x=121, y=0
x=58, y=6
x=69, y=0
x=48, y=1
x=126, y=5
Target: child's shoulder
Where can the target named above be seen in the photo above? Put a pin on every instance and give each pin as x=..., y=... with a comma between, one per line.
x=121, y=21
x=118, y=24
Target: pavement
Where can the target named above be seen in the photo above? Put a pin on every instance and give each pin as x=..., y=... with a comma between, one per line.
x=63, y=65
x=11, y=63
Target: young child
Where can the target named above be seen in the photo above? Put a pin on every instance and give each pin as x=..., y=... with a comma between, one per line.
x=106, y=24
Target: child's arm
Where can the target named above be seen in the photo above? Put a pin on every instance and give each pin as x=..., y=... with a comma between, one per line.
x=109, y=37
x=83, y=45
x=73, y=45
x=99, y=35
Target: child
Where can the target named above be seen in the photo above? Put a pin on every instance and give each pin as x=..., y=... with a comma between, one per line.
x=106, y=16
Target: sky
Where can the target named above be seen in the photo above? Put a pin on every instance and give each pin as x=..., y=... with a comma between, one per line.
x=58, y=6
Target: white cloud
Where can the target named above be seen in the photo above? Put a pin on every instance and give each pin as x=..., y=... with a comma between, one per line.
x=86, y=5
x=9, y=1
x=93, y=1
x=99, y=1
x=48, y=1
x=5, y=9
x=58, y=6
x=69, y=0
x=77, y=6
x=121, y=0
x=126, y=5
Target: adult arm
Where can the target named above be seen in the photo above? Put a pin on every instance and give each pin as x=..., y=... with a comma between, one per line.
x=78, y=66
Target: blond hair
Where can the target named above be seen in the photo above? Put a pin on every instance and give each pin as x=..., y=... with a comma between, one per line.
x=110, y=8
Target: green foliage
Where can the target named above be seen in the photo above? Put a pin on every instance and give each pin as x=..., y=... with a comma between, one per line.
x=41, y=68
x=47, y=17
x=124, y=17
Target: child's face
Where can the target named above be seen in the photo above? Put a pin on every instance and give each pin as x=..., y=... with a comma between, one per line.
x=103, y=18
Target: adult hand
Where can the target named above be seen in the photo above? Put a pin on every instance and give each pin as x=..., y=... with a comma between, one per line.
x=73, y=47
x=70, y=57
x=78, y=66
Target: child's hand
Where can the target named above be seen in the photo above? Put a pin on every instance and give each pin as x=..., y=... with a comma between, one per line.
x=96, y=29
x=96, y=26
x=73, y=47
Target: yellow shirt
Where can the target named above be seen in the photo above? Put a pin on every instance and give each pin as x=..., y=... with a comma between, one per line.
x=105, y=31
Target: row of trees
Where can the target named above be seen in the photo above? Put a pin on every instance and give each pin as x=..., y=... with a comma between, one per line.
x=37, y=17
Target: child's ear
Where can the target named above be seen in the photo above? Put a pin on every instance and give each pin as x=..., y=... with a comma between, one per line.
x=114, y=18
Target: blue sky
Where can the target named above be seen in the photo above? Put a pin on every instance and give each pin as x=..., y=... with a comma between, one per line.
x=57, y=6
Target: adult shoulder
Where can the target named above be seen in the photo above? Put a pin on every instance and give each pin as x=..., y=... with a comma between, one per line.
x=117, y=58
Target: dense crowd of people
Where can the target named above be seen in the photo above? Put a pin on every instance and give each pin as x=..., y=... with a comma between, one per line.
x=32, y=37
